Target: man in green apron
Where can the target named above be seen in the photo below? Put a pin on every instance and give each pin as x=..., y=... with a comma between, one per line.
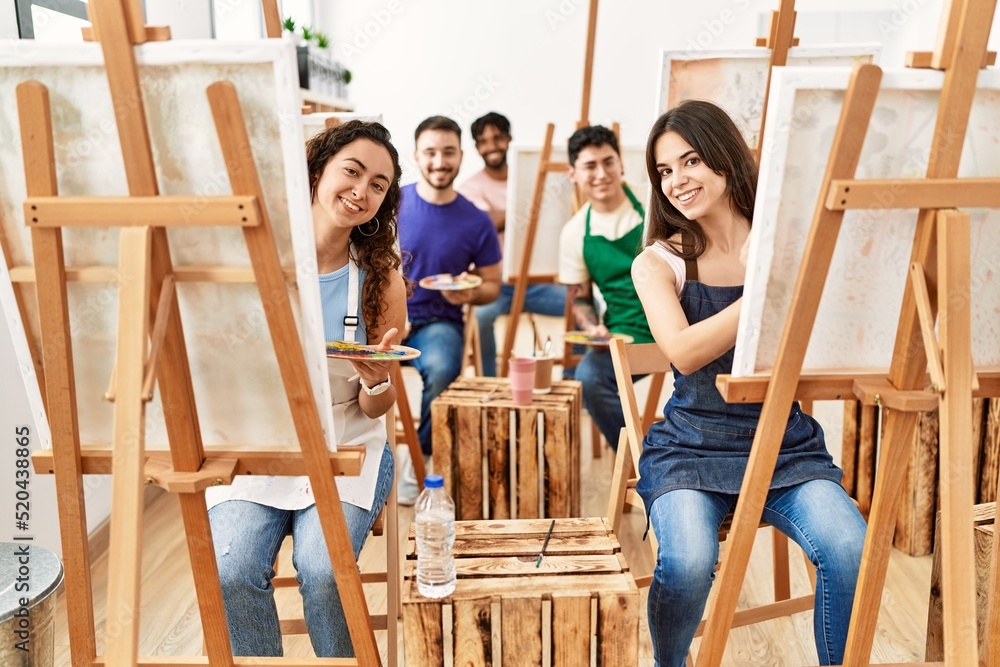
x=597, y=247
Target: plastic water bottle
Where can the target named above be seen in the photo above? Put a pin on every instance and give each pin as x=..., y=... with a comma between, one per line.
x=435, y=529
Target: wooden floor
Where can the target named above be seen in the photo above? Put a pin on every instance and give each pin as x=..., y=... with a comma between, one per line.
x=171, y=625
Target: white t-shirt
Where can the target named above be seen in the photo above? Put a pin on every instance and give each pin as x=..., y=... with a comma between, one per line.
x=613, y=226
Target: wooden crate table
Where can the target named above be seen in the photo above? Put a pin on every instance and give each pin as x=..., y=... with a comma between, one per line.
x=524, y=461
x=506, y=609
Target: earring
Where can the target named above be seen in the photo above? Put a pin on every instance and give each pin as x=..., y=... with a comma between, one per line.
x=374, y=232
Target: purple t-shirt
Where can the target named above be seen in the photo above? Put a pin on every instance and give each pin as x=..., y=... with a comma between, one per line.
x=442, y=239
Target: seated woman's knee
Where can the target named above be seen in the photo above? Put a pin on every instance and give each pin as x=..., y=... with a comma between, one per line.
x=236, y=577
x=315, y=576
x=680, y=568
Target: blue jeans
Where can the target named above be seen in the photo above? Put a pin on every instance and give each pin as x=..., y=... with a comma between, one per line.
x=600, y=392
x=540, y=299
x=817, y=514
x=441, y=344
x=247, y=537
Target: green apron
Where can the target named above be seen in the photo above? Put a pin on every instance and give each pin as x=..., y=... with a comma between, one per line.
x=610, y=266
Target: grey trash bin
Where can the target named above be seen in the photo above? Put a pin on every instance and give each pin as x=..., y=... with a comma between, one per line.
x=29, y=577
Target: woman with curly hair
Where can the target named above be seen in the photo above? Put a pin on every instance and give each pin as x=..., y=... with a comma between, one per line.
x=354, y=185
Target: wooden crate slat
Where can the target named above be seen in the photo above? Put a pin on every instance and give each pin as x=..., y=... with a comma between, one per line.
x=557, y=465
x=469, y=490
x=570, y=630
x=527, y=464
x=528, y=546
x=978, y=430
x=617, y=618
x=498, y=453
x=422, y=628
x=512, y=566
x=472, y=632
x=915, y=519
x=991, y=453
x=521, y=631
x=578, y=525
x=444, y=451
x=849, y=447
x=867, y=439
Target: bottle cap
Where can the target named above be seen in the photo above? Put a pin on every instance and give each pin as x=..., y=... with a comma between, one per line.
x=434, y=481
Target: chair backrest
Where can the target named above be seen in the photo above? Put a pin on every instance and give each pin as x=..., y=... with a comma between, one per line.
x=640, y=359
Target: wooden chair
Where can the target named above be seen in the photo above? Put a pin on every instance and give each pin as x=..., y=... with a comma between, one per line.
x=387, y=527
x=649, y=359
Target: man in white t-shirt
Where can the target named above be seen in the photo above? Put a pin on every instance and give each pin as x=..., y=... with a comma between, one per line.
x=487, y=189
x=596, y=247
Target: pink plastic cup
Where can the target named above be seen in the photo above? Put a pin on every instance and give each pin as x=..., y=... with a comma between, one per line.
x=522, y=380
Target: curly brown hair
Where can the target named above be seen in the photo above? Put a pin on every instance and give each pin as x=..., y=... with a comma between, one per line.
x=377, y=254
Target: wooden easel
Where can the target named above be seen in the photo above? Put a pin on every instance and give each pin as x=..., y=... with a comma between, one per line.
x=148, y=308
x=939, y=265
x=780, y=39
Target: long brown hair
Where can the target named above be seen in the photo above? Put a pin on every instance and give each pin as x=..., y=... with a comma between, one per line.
x=376, y=254
x=711, y=132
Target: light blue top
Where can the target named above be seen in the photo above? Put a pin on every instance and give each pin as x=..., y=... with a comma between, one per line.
x=333, y=295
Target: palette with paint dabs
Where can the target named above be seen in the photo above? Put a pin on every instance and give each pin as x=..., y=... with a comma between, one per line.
x=340, y=349
x=446, y=281
x=581, y=338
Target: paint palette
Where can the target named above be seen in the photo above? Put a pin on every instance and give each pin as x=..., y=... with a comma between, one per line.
x=446, y=281
x=341, y=349
x=581, y=338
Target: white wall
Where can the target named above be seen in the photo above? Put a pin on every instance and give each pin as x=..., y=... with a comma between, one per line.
x=524, y=58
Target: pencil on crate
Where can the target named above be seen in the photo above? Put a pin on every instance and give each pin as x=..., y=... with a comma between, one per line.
x=538, y=561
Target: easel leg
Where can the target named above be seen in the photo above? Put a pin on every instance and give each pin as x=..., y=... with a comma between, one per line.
x=60, y=389
x=230, y=125
x=893, y=459
x=124, y=553
x=187, y=454
x=909, y=363
x=954, y=323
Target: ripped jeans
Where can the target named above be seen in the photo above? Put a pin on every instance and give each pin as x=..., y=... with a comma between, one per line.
x=247, y=537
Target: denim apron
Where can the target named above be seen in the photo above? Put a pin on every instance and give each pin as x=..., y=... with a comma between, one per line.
x=703, y=442
x=610, y=266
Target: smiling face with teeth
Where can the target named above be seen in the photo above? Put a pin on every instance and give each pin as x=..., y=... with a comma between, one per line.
x=353, y=185
x=693, y=188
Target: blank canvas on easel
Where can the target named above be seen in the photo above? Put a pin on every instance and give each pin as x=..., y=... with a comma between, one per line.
x=736, y=79
x=234, y=370
x=557, y=206
x=859, y=312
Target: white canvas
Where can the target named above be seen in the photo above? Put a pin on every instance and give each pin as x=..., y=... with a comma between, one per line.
x=557, y=205
x=859, y=311
x=735, y=80
x=237, y=384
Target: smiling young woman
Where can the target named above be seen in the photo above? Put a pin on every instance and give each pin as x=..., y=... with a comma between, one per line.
x=354, y=185
x=690, y=281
